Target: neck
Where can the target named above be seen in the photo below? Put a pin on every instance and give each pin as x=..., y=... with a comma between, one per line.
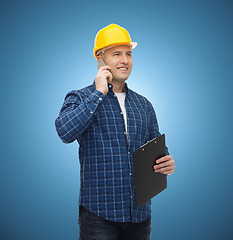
x=118, y=86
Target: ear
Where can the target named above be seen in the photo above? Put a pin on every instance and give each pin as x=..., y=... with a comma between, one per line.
x=98, y=58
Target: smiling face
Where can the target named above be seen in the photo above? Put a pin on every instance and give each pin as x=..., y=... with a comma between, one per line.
x=119, y=58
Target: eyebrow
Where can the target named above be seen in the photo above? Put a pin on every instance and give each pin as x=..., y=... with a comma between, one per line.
x=121, y=51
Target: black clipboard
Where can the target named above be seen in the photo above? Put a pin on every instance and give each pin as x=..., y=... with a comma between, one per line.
x=148, y=183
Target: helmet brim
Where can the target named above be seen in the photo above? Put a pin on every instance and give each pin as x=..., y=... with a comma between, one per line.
x=131, y=44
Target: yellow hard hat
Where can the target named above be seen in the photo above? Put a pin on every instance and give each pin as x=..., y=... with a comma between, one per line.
x=112, y=35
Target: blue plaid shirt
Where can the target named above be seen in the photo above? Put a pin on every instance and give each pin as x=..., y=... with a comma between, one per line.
x=95, y=120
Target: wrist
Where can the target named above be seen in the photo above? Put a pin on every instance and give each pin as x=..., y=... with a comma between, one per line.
x=102, y=90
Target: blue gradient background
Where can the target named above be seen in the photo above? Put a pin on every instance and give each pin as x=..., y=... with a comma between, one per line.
x=183, y=64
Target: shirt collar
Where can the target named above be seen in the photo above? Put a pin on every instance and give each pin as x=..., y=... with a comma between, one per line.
x=125, y=89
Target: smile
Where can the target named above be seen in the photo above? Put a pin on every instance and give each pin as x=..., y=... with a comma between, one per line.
x=123, y=69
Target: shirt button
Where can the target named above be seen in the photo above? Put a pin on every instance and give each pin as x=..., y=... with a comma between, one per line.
x=129, y=153
x=91, y=112
x=121, y=113
x=124, y=132
x=130, y=174
x=114, y=95
x=100, y=98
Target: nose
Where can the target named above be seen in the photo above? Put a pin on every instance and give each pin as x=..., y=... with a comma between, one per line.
x=124, y=59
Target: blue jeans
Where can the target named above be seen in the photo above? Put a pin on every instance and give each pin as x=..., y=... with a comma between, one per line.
x=92, y=227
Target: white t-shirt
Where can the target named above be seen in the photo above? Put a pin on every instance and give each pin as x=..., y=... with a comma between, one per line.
x=121, y=100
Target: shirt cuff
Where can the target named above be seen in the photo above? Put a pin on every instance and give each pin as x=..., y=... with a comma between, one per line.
x=95, y=97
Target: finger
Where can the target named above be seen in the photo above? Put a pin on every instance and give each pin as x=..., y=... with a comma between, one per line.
x=164, y=164
x=109, y=76
x=168, y=172
x=169, y=168
x=105, y=68
x=165, y=171
x=106, y=72
x=165, y=158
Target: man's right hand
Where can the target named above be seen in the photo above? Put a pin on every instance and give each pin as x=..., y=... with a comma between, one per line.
x=103, y=77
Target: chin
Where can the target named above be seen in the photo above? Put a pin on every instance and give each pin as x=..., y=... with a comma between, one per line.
x=123, y=78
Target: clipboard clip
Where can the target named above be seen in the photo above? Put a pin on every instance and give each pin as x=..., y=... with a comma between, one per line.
x=142, y=147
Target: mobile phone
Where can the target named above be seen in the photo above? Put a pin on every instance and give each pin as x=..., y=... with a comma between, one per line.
x=101, y=63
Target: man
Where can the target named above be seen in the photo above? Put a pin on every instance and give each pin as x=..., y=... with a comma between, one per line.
x=110, y=121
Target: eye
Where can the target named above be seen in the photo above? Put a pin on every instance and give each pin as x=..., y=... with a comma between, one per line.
x=116, y=54
x=129, y=54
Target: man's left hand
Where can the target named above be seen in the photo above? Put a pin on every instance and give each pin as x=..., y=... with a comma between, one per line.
x=166, y=165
